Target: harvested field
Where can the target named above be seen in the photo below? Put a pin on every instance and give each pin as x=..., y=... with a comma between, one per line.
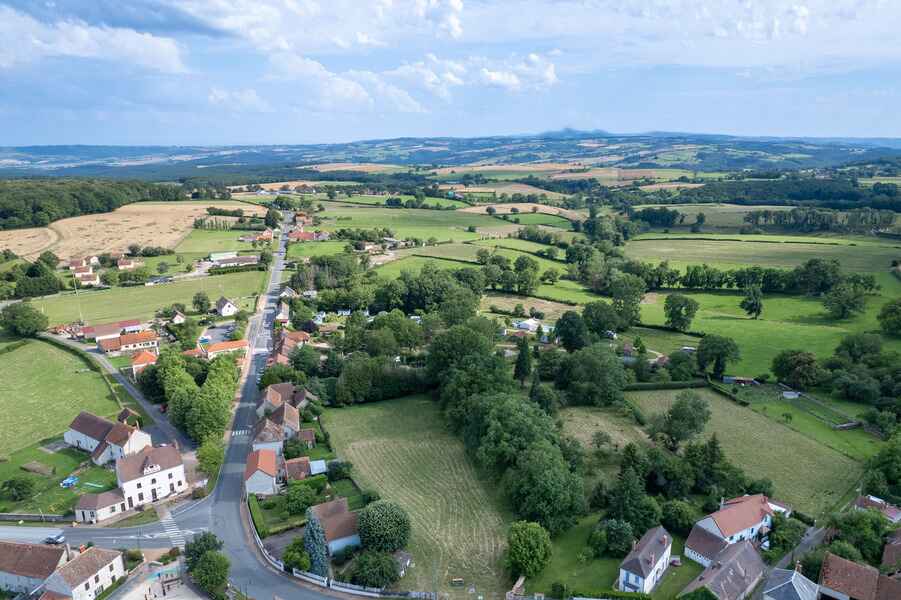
x=524, y=168
x=401, y=449
x=806, y=474
x=670, y=186
x=503, y=188
x=524, y=208
x=145, y=223
x=507, y=302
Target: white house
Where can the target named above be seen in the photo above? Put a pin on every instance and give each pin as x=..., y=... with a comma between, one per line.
x=288, y=292
x=284, y=313
x=94, y=508
x=738, y=519
x=226, y=307
x=25, y=567
x=530, y=325
x=261, y=473
x=150, y=475
x=88, y=574
x=141, y=361
x=104, y=439
x=645, y=565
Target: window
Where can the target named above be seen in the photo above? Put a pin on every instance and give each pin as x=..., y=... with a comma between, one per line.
x=111, y=567
x=97, y=578
x=112, y=508
x=141, y=497
x=170, y=475
x=87, y=585
x=152, y=481
x=139, y=485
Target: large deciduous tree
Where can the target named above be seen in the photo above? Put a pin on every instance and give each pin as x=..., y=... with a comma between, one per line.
x=890, y=317
x=686, y=418
x=384, y=526
x=752, y=303
x=680, y=310
x=571, y=330
x=528, y=549
x=717, y=350
x=23, y=319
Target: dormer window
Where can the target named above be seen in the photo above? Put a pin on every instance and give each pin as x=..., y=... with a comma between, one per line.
x=151, y=469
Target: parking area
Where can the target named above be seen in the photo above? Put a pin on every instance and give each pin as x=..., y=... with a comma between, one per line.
x=220, y=332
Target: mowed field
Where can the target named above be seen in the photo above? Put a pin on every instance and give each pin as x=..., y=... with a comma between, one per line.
x=142, y=302
x=717, y=215
x=145, y=223
x=300, y=250
x=401, y=449
x=42, y=388
x=421, y=223
x=206, y=241
x=806, y=474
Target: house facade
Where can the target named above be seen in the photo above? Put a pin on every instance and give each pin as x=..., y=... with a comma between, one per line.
x=104, y=439
x=88, y=574
x=261, y=473
x=226, y=308
x=141, y=361
x=94, y=508
x=151, y=475
x=644, y=566
x=25, y=567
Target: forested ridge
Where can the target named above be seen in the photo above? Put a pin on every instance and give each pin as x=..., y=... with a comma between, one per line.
x=39, y=202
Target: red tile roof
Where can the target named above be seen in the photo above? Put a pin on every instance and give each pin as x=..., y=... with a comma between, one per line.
x=741, y=513
x=226, y=346
x=298, y=468
x=853, y=579
x=336, y=519
x=260, y=460
x=143, y=357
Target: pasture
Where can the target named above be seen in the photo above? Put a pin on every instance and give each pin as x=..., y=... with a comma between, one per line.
x=381, y=199
x=401, y=449
x=541, y=219
x=204, y=241
x=805, y=473
x=524, y=208
x=717, y=215
x=359, y=167
x=305, y=249
x=407, y=222
x=501, y=188
x=42, y=388
x=142, y=302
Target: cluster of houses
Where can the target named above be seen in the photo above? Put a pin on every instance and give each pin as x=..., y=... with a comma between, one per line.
x=264, y=236
x=83, y=271
x=725, y=543
x=55, y=572
x=144, y=473
x=299, y=232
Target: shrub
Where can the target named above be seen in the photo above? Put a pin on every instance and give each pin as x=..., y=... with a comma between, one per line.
x=528, y=549
x=339, y=469
x=256, y=514
x=375, y=569
x=384, y=526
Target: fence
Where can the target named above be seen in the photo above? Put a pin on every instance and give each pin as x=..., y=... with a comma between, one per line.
x=327, y=582
x=34, y=517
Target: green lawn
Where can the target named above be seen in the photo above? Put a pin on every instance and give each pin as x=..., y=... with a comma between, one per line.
x=806, y=473
x=143, y=301
x=204, y=241
x=299, y=250
x=571, y=563
x=401, y=449
x=676, y=578
x=414, y=264
x=42, y=388
x=419, y=223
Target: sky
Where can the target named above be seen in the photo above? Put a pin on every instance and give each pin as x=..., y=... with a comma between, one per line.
x=201, y=72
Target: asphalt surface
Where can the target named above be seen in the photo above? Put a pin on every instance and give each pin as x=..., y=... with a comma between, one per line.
x=221, y=512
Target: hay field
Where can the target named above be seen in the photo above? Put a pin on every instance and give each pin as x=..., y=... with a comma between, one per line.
x=407, y=222
x=402, y=449
x=524, y=208
x=145, y=223
x=806, y=474
x=503, y=188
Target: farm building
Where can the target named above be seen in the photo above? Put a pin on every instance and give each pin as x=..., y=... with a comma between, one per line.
x=237, y=261
x=338, y=523
x=88, y=574
x=530, y=325
x=226, y=308
x=217, y=256
x=103, y=439
x=842, y=579
x=261, y=473
x=645, y=565
x=25, y=567
x=110, y=330
x=130, y=342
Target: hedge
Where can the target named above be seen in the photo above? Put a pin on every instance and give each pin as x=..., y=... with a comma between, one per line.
x=13, y=346
x=806, y=519
x=636, y=413
x=697, y=334
x=722, y=390
x=665, y=385
x=227, y=270
x=609, y=594
x=256, y=514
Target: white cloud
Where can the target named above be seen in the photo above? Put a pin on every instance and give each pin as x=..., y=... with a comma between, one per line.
x=325, y=90
x=244, y=100
x=24, y=39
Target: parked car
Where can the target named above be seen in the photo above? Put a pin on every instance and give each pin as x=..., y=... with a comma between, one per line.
x=55, y=540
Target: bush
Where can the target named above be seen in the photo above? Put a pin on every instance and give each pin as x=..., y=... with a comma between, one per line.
x=807, y=520
x=256, y=514
x=344, y=555
x=375, y=569
x=198, y=493
x=135, y=555
x=528, y=549
x=339, y=469
x=370, y=496
x=384, y=526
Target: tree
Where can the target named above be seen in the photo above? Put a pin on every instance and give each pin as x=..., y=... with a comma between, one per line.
x=542, y=489
x=375, y=570
x=458, y=305
x=678, y=516
x=315, y=545
x=523, y=367
x=679, y=311
x=23, y=319
x=17, y=488
x=110, y=278
x=845, y=300
x=594, y=376
x=279, y=373
x=890, y=317
x=629, y=502
x=613, y=537
x=295, y=557
x=210, y=455
x=162, y=267
x=528, y=549
x=600, y=317
x=299, y=498
x=686, y=418
x=200, y=545
x=627, y=291
x=717, y=350
x=572, y=331
x=858, y=346
x=752, y=303
x=812, y=562
x=305, y=359
x=384, y=526
x=797, y=368
x=550, y=276
x=211, y=572
x=201, y=302
x=49, y=258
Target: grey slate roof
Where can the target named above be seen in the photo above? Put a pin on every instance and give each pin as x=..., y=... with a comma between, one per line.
x=786, y=584
x=733, y=574
x=647, y=552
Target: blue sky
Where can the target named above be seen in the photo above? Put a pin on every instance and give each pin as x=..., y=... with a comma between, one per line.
x=307, y=71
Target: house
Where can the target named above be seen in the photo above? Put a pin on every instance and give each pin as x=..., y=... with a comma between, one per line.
x=111, y=330
x=87, y=279
x=530, y=325
x=733, y=576
x=338, y=523
x=141, y=361
x=25, y=567
x=297, y=468
x=103, y=439
x=889, y=511
x=842, y=579
x=88, y=574
x=288, y=293
x=288, y=418
x=77, y=263
x=211, y=351
x=281, y=393
x=285, y=342
x=261, y=473
x=267, y=435
x=784, y=584
x=237, y=261
x=126, y=264
x=283, y=316
x=225, y=307
x=130, y=342
x=299, y=235
x=891, y=554
x=94, y=508
x=645, y=565
x=327, y=329
x=178, y=318
x=308, y=437
x=742, y=518
x=150, y=475
x=82, y=270
x=217, y=256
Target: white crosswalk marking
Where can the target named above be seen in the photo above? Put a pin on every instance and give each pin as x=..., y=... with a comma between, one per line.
x=172, y=530
x=239, y=432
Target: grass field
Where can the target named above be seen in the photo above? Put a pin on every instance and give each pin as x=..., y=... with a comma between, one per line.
x=421, y=223
x=205, y=241
x=861, y=258
x=380, y=200
x=401, y=449
x=515, y=243
x=142, y=301
x=806, y=474
x=42, y=388
x=316, y=248
x=717, y=215
x=541, y=219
